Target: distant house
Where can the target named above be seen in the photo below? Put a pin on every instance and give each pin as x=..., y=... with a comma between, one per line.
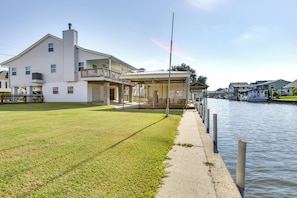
x=288, y=89
x=275, y=85
x=62, y=71
x=4, y=83
x=237, y=88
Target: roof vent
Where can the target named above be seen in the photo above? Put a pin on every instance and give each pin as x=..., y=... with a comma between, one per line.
x=69, y=26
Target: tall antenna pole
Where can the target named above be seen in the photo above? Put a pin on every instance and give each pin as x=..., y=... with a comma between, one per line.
x=168, y=94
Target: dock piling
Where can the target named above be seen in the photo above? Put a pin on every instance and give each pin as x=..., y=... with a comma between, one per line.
x=215, y=139
x=240, y=170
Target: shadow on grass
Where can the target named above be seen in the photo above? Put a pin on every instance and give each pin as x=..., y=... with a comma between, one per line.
x=70, y=169
x=132, y=110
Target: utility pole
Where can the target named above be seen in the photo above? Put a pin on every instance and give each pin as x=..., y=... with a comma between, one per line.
x=167, y=106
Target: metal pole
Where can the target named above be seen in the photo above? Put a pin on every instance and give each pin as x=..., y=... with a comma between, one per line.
x=167, y=106
x=215, y=139
x=123, y=94
x=207, y=123
x=240, y=170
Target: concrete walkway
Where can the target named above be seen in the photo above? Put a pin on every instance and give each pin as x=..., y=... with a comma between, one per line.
x=195, y=171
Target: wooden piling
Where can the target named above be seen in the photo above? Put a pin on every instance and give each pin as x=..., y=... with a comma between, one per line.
x=240, y=170
x=215, y=139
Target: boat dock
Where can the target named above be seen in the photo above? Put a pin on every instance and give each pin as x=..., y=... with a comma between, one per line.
x=193, y=169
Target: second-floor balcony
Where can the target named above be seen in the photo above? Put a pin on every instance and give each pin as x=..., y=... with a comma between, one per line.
x=101, y=74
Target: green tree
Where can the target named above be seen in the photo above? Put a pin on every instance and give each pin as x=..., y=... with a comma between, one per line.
x=184, y=67
x=202, y=79
x=295, y=91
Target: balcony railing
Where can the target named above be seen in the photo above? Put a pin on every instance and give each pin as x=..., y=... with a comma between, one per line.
x=100, y=72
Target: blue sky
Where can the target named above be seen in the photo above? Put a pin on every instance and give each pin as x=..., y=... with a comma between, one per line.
x=224, y=40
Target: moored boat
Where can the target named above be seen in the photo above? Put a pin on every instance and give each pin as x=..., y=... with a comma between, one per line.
x=257, y=96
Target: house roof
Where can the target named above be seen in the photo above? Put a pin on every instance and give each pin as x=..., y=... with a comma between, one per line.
x=5, y=63
x=271, y=81
x=291, y=85
x=29, y=48
x=105, y=55
x=158, y=76
x=198, y=86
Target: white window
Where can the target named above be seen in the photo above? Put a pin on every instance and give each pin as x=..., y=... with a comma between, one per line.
x=28, y=70
x=55, y=90
x=53, y=68
x=50, y=47
x=13, y=71
x=70, y=90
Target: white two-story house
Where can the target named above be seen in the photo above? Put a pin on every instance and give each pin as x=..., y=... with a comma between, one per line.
x=62, y=71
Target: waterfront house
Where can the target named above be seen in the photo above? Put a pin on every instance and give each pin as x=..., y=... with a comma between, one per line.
x=62, y=71
x=272, y=85
x=4, y=83
x=288, y=89
x=236, y=89
x=59, y=70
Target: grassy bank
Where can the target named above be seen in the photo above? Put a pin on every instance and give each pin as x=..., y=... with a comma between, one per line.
x=288, y=97
x=79, y=150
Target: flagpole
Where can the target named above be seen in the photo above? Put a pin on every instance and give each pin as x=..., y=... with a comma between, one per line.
x=168, y=94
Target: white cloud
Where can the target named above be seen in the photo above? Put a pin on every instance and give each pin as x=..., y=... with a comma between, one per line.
x=207, y=5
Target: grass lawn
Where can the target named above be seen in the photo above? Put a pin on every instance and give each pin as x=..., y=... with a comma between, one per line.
x=288, y=97
x=80, y=150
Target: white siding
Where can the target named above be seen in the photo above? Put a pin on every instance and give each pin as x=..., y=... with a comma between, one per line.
x=70, y=55
x=39, y=60
x=79, y=92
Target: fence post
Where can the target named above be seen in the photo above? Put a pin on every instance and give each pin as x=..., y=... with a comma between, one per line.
x=207, y=123
x=240, y=170
x=215, y=139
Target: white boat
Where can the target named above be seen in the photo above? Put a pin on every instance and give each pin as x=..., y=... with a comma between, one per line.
x=257, y=96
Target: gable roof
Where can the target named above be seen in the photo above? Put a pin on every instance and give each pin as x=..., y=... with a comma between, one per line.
x=104, y=55
x=29, y=48
x=198, y=86
x=57, y=38
x=271, y=81
x=291, y=85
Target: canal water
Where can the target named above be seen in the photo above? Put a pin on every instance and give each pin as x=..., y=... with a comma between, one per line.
x=270, y=131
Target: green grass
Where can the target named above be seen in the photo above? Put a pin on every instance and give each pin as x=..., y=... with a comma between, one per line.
x=80, y=150
x=288, y=97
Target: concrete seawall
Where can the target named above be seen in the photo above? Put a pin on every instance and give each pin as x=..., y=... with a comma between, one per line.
x=193, y=170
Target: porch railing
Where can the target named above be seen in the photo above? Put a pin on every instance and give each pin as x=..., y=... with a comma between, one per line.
x=10, y=99
x=100, y=72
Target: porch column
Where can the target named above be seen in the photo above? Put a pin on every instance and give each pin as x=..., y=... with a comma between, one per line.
x=29, y=92
x=187, y=91
x=109, y=67
x=106, y=93
x=130, y=94
x=120, y=97
x=14, y=91
x=153, y=95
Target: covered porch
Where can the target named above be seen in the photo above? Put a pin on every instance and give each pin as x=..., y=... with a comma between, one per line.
x=153, y=90
x=104, y=83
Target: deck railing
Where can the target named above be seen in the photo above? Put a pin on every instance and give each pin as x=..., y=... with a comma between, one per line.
x=10, y=99
x=100, y=72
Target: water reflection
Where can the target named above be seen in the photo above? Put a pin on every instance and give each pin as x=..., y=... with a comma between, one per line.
x=271, y=134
